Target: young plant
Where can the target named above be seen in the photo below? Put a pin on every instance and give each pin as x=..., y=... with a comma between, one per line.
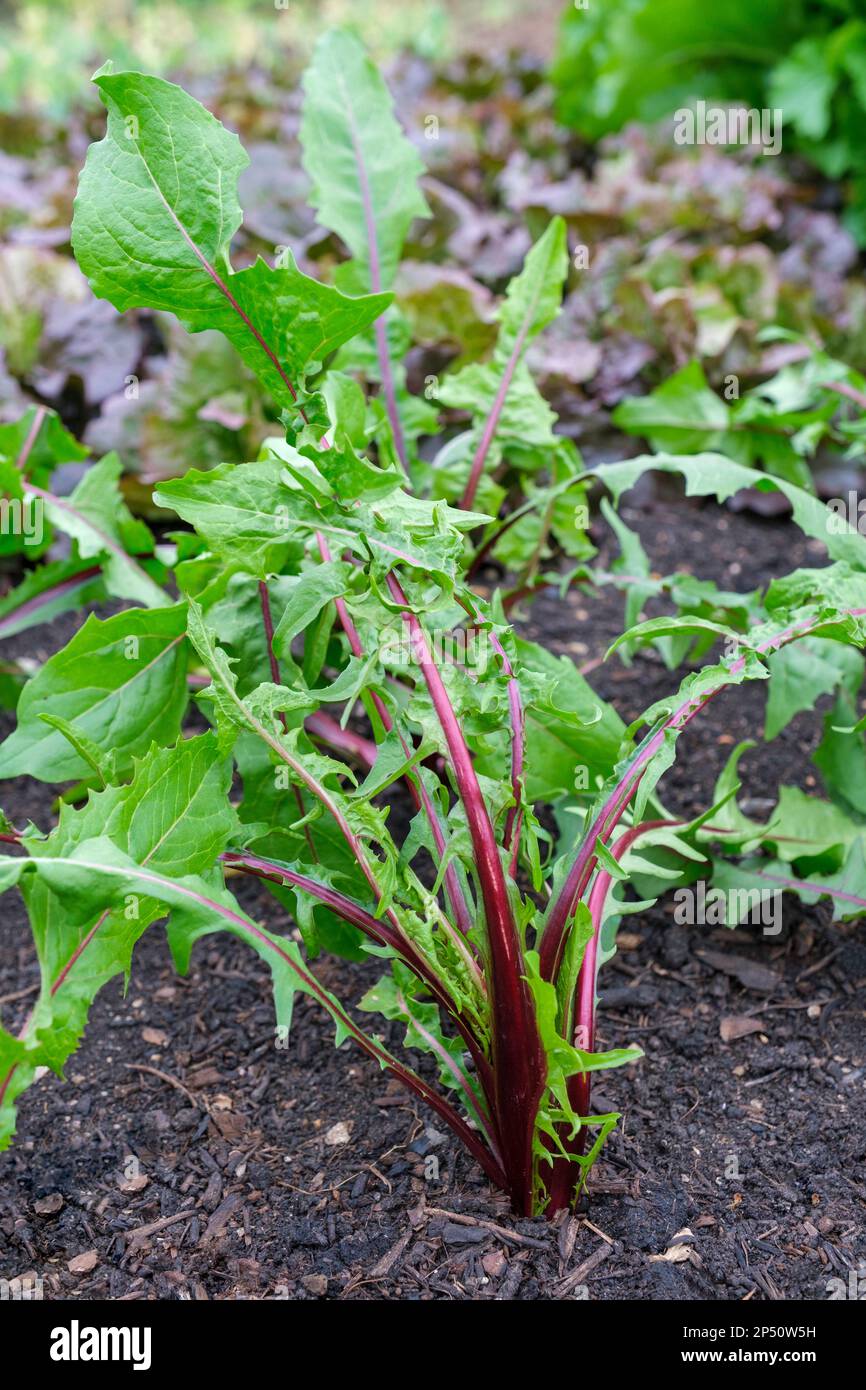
x=493, y=953
x=380, y=740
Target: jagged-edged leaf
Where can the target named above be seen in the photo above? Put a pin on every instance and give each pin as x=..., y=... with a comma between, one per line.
x=801, y=673
x=308, y=595
x=154, y=217
x=172, y=818
x=243, y=511
x=713, y=475
x=121, y=681
x=394, y=997
x=531, y=302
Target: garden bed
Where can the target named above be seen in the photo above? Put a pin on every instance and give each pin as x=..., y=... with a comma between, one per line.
x=246, y=1185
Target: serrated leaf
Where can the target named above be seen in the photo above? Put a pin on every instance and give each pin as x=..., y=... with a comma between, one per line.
x=173, y=817
x=154, y=217
x=121, y=681
x=713, y=475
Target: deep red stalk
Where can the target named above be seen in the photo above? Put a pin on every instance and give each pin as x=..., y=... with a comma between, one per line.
x=473, y=1102
x=406, y=1075
x=551, y=947
x=373, y=927
x=561, y=1177
x=519, y=1065
x=410, y=1079
x=356, y=846
x=584, y=1017
x=514, y=819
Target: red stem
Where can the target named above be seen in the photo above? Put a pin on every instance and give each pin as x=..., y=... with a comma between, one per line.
x=514, y=819
x=378, y=930
x=519, y=1065
x=492, y=421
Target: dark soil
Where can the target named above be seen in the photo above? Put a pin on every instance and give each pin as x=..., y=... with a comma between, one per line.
x=196, y=1159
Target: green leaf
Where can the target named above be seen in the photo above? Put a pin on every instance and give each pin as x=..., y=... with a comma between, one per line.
x=532, y=301
x=154, y=217
x=802, y=85
x=713, y=475
x=241, y=511
x=51, y=444
x=803, y=829
x=23, y=530
x=572, y=736
x=309, y=594
x=841, y=755
x=101, y=524
x=172, y=818
x=363, y=169
x=652, y=628
x=46, y=592
x=122, y=682
x=534, y=297
x=681, y=415
x=84, y=746
x=563, y=1062
x=393, y=996
x=801, y=673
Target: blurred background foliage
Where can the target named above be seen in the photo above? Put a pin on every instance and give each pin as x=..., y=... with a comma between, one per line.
x=640, y=60
x=48, y=49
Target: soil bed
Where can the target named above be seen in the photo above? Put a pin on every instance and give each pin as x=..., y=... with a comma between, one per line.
x=305, y=1173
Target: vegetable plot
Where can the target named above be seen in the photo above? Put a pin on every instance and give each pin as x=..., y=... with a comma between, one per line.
x=319, y=611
